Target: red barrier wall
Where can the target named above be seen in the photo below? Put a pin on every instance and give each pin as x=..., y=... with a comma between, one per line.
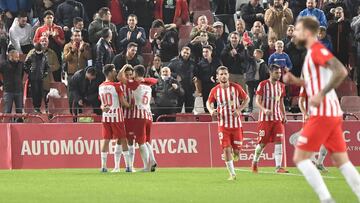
x=175, y=145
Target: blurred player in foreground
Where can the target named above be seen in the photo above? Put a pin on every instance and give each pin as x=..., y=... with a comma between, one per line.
x=112, y=99
x=270, y=100
x=231, y=99
x=322, y=73
x=141, y=122
x=303, y=105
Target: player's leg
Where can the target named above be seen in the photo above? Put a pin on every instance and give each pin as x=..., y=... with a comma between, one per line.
x=236, y=142
x=320, y=161
x=140, y=133
x=130, y=139
x=153, y=163
x=117, y=156
x=278, y=131
x=263, y=139
x=107, y=135
x=225, y=141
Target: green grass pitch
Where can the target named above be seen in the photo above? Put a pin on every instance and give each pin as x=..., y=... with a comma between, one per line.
x=178, y=185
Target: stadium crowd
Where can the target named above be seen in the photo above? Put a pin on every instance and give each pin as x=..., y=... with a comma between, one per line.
x=64, y=44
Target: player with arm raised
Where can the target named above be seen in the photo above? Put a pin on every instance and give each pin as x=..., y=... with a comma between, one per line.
x=270, y=100
x=322, y=73
x=113, y=127
x=303, y=105
x=141, y=114
x=231, y=99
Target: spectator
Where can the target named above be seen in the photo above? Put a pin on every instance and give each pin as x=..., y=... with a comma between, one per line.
x=289, y=34
x=166, y=41
x=224, y=12
x=352, y=7
x=269, y=48
x=324, y=39
x=54, y=65
x=183, y=69
x=104, y=51
x=154, y=70
x=252, y=12
x=205, y=75
x=329, y=6
x=196, y=45
x=4, y=39
x=76, y=54
x=278, y=17
x=236, y=57
x=339, y=30
x=44, y=5
x=355, y=25
x=311, y=10
x=96, y=27
x=83, y=88
x=67, y=11
x=297, y=56
x=258, y=34
x=126, y=57
x=12, y=74
x=78, y=24
x=144, y=10
x=12, y=8
x=240, y=27
x=92, y=7
x=167, y=93
x=56, y=37
x=20, y=34
x=176, y=11
x=257, y=71
x=118, y=9
x=37, y=67
x=203, y=26
x=131, y=33
x=297, y=6
x=280, y=58
x=221, y=38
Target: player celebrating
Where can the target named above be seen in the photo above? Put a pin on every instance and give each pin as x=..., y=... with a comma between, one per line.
x=112, y=98
x=141, y=114
x=231, y=99
x=270, y=100
x=303, y=103
x=322, y=73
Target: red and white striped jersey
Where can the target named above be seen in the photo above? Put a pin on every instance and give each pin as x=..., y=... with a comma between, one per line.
x=129, y=99
x=271, y=96
x=109, y=93
x=228, y=100
x=317, y=76
x=141, y=97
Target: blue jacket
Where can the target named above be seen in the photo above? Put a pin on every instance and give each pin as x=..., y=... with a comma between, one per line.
x=327, y=43
x=282, y=60
x=319, y=14
x=13, y=6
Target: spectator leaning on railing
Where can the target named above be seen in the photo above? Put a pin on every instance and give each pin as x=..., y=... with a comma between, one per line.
x=12, y=73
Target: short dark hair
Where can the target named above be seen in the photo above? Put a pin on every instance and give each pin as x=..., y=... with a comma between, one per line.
x=185, y=47
x=157, y=23
x=103, y=11
x=48, y=13
x=131, y=44
x=139, y=70
x=274, y=67
x=132, y=16
x=208, y=47
x=76, y=20
x=105, y=33
x=310, y=23
x=108, y=68
x=91, y=70
x=76, y=31
x=221, y=68
x=22, y=14
x=37, y=47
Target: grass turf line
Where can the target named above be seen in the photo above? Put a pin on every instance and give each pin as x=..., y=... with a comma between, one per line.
x=166, y=185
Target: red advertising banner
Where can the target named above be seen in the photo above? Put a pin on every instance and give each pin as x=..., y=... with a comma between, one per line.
x=175, y=145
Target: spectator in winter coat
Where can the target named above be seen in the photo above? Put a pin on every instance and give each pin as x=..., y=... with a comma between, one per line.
x=196, y=45
x=67, y=11
x=167, y=93
x=324, y=39
x=104, y=51
x=176, y=11
x=258, y=35
x=224, y=12
x=126, y=57
x=144, y=10
x=203, y=26
x=278, y=17
x=131, y=33
x=154, y=70
x=289, y=34
x=221, y=38
x=96, y=27
x=280, y=58
x=252, y=12
x=297, y=57
x=257, y=71
x=78, y=24
x=183, y=69
x=311, y=10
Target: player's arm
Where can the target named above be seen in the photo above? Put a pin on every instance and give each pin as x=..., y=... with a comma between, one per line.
x=258, y=102
x=123, y=102
x=291, y=79
x=302, y=106
x=211, y=108
x=244, y=103
x=339, y=74
x=282, y=109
